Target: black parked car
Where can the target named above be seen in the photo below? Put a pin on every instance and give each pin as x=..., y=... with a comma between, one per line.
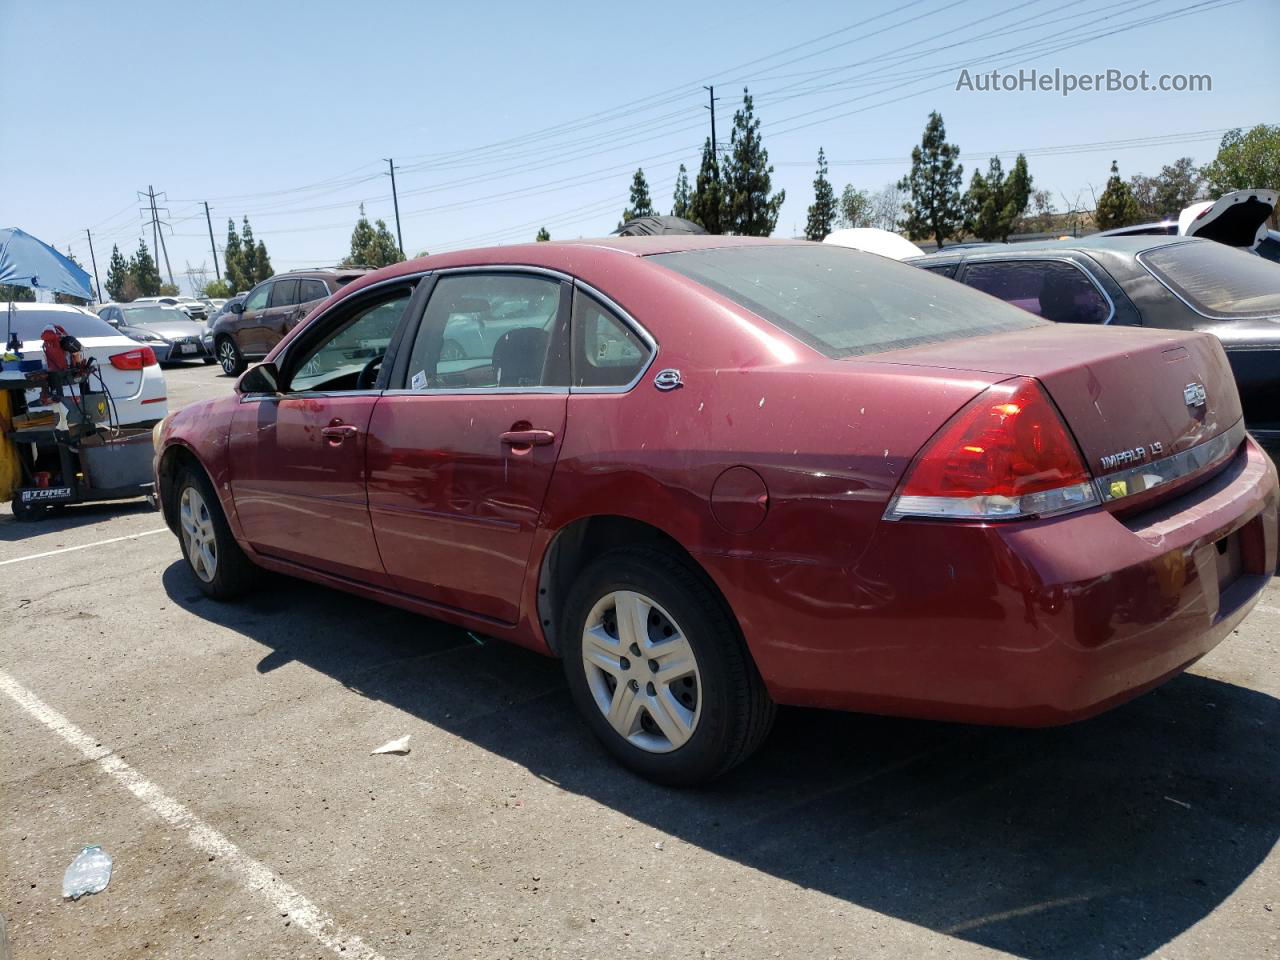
x=1178, y=283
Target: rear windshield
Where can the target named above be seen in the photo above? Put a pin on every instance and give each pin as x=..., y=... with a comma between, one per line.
x=845, y=303
x=1216, y=280
x=29, y=324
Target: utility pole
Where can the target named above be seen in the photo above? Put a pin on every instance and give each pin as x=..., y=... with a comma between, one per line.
x=94, y=260
x=396, y=201
x=213, y=246
x=155, y=213
x=711, y=106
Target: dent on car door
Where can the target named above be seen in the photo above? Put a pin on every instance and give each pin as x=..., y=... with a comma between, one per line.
x=299, y=457
x=461, y=452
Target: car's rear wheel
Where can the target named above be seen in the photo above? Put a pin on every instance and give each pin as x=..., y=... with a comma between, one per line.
x=230, y=358
x=658, y=669
x=221, y=569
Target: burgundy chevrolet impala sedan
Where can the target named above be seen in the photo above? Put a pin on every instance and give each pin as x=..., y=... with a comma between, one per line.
x=716, y=474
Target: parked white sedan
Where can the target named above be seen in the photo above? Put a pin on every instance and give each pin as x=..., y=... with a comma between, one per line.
x=130, y=373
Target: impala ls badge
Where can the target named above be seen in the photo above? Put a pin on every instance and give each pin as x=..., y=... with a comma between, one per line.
x=1194, y=394
x=667, y=379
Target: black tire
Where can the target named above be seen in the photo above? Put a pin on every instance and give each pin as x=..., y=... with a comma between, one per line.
x=233, y=572
x=29, y=512
x=735, y=713
x=229, y=357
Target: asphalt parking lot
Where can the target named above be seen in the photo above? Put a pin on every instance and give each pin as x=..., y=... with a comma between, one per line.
x=221, y=755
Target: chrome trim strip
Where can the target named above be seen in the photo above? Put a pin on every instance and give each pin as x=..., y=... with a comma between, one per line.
x=504, y=268
x=1147, y=476
x=470, y=391
x=633, y=325
x=1030, y=258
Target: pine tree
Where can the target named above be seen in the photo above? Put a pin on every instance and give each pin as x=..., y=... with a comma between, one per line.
x=543, y=236
x=752, y=212
x=994, y=203
x=144, y=272
x=234, y=257
x=1117, y=206
x=706, y=207
x=641, y=205
x=372, y=246
x=822, y=212
x=1017, y=196
x=680, y=200
x=935, y=208
x=262, y=261
x=117, y=274
x=249, y=258
x=11, y=292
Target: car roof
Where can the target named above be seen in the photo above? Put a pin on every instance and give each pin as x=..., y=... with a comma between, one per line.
x=1131, y=245
x=25, y=306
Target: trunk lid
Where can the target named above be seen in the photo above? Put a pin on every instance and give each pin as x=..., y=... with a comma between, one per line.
x=1238, y=219
x=1129, y=396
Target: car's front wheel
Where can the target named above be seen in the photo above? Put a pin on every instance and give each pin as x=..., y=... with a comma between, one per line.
x=658, y=669
x=230, y=358
x=221, y=569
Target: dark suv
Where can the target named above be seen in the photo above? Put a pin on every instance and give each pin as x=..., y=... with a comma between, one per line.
x=270, y=310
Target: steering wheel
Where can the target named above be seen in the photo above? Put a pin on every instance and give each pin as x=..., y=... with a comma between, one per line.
x=368, y=377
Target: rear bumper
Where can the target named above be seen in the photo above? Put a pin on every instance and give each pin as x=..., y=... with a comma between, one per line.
x=1026, y=624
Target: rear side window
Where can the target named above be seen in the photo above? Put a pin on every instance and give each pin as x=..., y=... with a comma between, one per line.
x=309, y=290
x=1051, y=289
x=1216, y=280
x=284, y=293
x=606, y=353
x=842, y=302
x=29, y=324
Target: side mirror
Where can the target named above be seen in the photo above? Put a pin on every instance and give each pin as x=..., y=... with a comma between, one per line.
x=237, y=307
x=264, y=378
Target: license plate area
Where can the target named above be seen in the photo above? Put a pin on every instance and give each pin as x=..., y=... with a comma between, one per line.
x=1229, y=560
x=186, y=348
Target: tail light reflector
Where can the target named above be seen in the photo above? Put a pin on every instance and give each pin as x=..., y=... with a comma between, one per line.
x=134, y=359
x=1006, y=455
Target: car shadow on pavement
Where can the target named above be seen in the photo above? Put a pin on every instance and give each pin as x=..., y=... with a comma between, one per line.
x=1103, y=839
x=72, y=516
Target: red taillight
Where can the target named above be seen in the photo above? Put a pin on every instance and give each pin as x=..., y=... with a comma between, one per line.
x=1007, y=454
x=134, y=359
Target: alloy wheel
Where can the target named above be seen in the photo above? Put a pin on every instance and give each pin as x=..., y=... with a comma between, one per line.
x=227, y=356
x=198, y=536
x=641, y=671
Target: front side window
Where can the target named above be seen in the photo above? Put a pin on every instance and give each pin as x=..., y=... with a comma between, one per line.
x=258, y=299
x=284, y=293
x=347, y=358
x=488, y=331
x=841, y=302
x=606, y=353
x=1216, y=280
x=1051, y=289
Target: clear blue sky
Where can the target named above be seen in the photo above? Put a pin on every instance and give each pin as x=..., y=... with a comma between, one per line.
x=284, y=111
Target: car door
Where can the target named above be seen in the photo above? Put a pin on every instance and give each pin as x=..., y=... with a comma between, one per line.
x=298, y=458
x=462, y=449
x=281, y=312
x=247, y=328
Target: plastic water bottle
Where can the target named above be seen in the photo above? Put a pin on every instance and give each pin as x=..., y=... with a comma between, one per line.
x=90, y=872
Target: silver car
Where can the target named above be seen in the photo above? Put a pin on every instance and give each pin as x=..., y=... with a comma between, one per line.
x=169, y=332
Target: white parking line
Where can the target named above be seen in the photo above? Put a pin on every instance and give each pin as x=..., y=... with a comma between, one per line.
x=83, y=546
x=1266, y=609
x=253, y=875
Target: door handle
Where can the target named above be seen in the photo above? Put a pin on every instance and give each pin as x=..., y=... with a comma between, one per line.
x=528, y=438
x=337, y=432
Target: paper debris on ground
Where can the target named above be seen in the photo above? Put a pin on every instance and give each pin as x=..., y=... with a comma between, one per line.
x=394, y=746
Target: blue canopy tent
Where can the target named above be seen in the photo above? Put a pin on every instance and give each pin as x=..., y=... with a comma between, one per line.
x=28, y=262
